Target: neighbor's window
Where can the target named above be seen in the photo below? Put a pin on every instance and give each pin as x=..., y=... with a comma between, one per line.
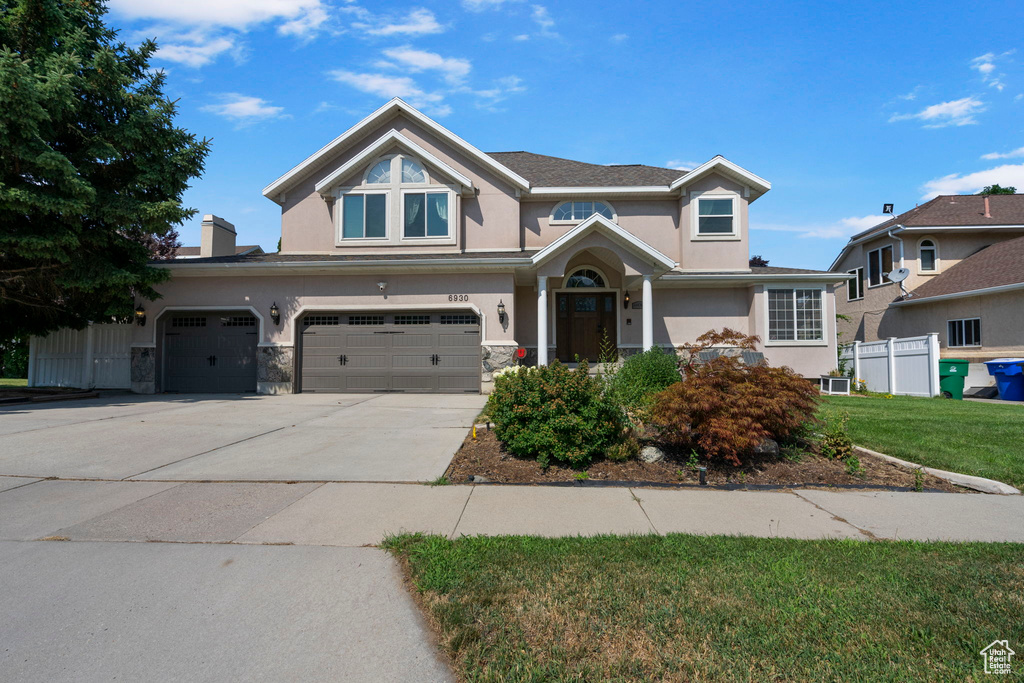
x=966, y=332
x=364, y=216
x=928, y=253
x=855, y=287
x=425, y=214
x=715, y=216
x=879, y=265
x=580, y=211
x=795, y=315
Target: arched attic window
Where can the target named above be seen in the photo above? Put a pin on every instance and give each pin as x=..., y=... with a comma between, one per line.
x=379, y=173
x=928, y=253
x=575, y=211
x=585, y=277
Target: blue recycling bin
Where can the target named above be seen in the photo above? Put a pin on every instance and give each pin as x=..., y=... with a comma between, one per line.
x=1009, y=374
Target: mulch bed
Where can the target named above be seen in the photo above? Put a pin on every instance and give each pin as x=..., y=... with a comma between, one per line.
x=486, y=458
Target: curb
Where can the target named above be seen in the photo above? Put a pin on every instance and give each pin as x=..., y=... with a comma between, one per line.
x=965, y=480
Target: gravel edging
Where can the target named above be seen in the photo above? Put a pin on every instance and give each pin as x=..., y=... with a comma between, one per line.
x=966, y=480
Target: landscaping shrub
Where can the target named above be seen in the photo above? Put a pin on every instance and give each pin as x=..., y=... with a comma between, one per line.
x=835, y=439
x=554, y=414
x=642, y=376
x=725, y=409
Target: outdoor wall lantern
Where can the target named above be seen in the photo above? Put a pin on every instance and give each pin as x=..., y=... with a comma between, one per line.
x=625, y=300
x=275, y=314
x=140, y=316
x=501, y=312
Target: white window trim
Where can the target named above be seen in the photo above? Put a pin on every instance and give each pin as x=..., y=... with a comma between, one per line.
x=340, y=239
x=867, y=266
x=396, y=171
x=938, y=263
x=696, y=235
x=859, y=275
x=577, y=269
x=452, y=215
x=825, y=311
x=963, y=322
x=551, y=215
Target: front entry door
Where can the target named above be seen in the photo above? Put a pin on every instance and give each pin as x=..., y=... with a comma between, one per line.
x=584, y=319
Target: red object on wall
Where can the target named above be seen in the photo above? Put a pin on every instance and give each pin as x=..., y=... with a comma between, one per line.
x=520, y=353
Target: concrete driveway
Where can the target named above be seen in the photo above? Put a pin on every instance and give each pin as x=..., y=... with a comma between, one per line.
x=303, y=437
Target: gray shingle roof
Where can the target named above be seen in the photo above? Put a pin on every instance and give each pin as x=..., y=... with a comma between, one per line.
x=241, y=249
x=999, y=264
x=340, y=258
x=957, y=209
x=545, y=171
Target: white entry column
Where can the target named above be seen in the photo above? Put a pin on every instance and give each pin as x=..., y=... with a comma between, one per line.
x=542, y=320
x=648, y=314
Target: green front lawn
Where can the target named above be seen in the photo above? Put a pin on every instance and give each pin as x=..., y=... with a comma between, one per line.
x=983, y=439
x=721, y=608
x=12, y=382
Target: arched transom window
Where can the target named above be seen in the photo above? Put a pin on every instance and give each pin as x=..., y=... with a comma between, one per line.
x=396, y=202
x=575, y=212
x=585, y=277
x=929, y=255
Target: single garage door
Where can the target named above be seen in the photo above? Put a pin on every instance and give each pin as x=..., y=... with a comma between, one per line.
x=437, y=352
x=210, y=353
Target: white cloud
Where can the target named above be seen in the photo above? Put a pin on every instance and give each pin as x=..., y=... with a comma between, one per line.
x=243, y=109
x=481, y=5
x=200, y=52
x=384, y=85
x=912, y=95
x=842, y=229
x=237, y=14
x=521, y=37
x=454, y=69
x=680, y=165
x=985, y=65
x=1019, y=97
x=619, y=37
x=418, y=22
x=1012, y=154
x=543, y=19
x=305, y=26
x=954, y=183
x=954, y=113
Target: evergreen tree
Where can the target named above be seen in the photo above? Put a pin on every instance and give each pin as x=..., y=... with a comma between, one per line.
x=92, y=168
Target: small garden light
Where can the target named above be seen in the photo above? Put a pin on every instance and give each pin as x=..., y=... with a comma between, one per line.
x=501, y=312
x=275, y=314
x=140, y=316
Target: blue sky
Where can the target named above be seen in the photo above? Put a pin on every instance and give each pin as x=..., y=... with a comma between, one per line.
x=842, y=106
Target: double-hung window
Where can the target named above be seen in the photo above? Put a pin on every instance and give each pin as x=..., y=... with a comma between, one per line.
x=855, y=287
x=716, y=216
x=425, y=214
x=796, y=315
x=364, y=216
x=929, y=255
x=966, y=332
x=879, y=265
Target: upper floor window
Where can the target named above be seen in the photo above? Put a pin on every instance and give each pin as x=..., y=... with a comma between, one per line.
x=855, y=287
x=929, y=255
x=380, y=174
x=585, y=277
x=879, y=265
x=412, y=172
x=425, y=214
x=574, y=212
x=715, y=216
x=364, y=216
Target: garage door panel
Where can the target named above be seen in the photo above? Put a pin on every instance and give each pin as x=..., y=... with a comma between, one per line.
x=415, y=352
x=210, y=353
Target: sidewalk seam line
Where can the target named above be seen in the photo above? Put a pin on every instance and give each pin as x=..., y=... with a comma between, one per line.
x=836, y=517
x=270, y=517
x=640, y=504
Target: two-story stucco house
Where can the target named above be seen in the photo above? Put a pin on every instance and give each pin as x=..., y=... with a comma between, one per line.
x=965, y=254
x=412, y=261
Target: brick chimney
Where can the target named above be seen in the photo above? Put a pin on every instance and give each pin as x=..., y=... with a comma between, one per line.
x=218, y=238
x=988, y=214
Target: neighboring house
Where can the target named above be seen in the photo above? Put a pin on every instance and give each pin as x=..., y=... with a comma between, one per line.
x=965, y=254
x=412, y=261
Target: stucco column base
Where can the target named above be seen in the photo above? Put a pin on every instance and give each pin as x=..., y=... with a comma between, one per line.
x=275, y=370
x=143, y=370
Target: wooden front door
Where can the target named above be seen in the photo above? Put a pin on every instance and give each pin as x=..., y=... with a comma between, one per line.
x=583, y=320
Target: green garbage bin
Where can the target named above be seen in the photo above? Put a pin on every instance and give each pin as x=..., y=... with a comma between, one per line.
x=952, y=373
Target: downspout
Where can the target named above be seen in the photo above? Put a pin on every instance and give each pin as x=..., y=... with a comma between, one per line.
x=898, y=239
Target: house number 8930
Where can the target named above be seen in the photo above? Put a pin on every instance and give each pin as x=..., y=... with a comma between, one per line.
x=458, y=297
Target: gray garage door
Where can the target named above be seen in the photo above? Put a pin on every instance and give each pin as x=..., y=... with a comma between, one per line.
x=210, y=353
x=411, y=352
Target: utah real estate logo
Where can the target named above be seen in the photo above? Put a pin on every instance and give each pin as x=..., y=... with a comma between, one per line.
x=997, y=657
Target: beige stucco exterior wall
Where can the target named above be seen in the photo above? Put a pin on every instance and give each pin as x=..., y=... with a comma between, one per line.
x=656, y=222
x=1002, y=324
x=713, y=254
x=307, y=221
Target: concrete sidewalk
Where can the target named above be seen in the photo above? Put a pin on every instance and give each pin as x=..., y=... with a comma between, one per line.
x=358, y=514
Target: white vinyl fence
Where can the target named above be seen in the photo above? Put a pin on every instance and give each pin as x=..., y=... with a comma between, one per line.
x=907, y=366
x=98, y=357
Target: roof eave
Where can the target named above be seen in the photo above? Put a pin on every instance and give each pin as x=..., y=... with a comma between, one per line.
x=960, y=295
x=755, y=182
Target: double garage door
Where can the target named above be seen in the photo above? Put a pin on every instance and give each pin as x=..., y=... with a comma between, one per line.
x=426, y=352
x=210, y=353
